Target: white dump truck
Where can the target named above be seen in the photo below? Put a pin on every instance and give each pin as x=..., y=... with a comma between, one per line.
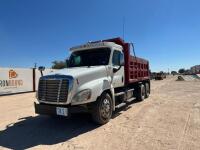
x=101, y=76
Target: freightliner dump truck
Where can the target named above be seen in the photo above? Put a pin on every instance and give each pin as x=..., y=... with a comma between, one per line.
x=101, y=76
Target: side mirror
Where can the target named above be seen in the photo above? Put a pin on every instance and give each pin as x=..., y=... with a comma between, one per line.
x=115, y=69
x=41, y=68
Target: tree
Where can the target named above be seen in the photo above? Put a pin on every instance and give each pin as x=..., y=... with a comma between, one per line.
x=181, y=71
x=59, y=64
x=174, y=72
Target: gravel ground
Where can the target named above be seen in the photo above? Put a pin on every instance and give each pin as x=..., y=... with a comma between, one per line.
x=168, y=119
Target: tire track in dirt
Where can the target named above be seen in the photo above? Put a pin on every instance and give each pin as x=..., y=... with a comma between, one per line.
x=184, y=132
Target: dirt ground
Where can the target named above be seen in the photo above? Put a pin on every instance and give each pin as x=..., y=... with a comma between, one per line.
x=168, y=119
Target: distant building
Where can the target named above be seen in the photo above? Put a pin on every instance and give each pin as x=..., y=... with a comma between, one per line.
x=195, y=69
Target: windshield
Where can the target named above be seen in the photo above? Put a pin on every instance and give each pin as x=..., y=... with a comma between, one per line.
x=92, y=57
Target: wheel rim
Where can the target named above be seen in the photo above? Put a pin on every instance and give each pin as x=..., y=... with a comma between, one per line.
x=143, y=91
x=147, y=89
x=105, y=109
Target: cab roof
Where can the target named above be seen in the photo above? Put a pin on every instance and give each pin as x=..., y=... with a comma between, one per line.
x=92, y=45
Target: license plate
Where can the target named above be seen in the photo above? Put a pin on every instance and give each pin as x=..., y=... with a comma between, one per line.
x=61, y=111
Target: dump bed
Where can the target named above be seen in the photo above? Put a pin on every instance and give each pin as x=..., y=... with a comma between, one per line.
x=135, y=69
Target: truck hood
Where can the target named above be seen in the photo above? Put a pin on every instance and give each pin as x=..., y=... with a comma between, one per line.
x=77, y=72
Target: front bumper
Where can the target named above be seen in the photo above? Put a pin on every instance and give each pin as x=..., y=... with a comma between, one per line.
x=48, y=109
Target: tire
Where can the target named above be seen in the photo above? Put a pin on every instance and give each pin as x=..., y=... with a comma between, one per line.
x=102, y=109
x=141, y=93
x=147, y=90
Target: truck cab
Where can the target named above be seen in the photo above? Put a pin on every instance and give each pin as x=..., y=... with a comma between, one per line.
x=98, y=80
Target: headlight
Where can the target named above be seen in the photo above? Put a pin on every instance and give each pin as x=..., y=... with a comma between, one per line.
x=82, y=95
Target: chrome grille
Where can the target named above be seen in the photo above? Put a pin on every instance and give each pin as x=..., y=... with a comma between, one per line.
x=53, y=90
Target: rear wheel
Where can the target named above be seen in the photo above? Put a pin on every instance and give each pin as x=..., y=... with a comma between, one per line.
x=147, y=90
x=102, y=109
x=141, y=93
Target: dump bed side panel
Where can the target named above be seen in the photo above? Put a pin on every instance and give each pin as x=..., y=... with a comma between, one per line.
x=138, y=69
x=135, y=69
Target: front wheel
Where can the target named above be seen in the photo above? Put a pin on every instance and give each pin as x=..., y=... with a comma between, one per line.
x=102, y=109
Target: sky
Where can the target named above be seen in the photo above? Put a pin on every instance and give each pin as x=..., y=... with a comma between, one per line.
x=166, y=32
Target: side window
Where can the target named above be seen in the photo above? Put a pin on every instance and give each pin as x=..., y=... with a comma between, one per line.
x=122, y=58
x=75, y=60
x=116, y=58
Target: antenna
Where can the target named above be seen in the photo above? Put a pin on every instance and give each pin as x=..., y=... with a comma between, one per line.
x=133, y=49
x=123, y=26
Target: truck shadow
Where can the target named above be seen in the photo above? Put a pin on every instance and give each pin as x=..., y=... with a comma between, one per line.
x=42, y=130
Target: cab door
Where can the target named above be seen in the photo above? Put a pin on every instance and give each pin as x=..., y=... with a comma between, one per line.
x=118, y=68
